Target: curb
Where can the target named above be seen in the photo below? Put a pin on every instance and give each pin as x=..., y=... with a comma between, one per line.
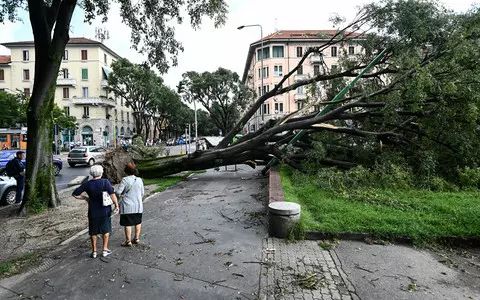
x=77, y=181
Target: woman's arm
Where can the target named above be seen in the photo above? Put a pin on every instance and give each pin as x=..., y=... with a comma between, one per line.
x=115, y=201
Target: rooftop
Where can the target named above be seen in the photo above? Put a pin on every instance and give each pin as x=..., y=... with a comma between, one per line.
x=72, y=41
x=306, y=34
x=5, y=59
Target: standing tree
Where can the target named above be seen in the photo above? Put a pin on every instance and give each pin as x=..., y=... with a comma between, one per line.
x=152, y=33
x=136, y=85
x=162, y=107
x=13, y=110
x=221, y=93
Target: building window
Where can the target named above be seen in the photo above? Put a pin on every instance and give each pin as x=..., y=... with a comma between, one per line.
x=85, y=92
x=121, y=101
x=86, y=111
x=105, y=58
x=65, y=55
x=266, y=108
x=334, y=68
x=121, y=113
x=128, y=116
x=277, y=51
x=84, y=74
x=26, y=92
x=67, y=110
x=277, y=71
x=316, y=69
x=116, y=115
x=65, y=73
x=26, y=55
x=333, y=51
x=266, y=53
x=259, y=91
x=26, y=74
x=265, y=72
x=2, y=74
x=300, y=90
x=84, y=55
x=299, y=52
x=66, y=93
x=351, y=50
x=266, y=89
x=300, y=70
x=278, y=108
x=299, y=105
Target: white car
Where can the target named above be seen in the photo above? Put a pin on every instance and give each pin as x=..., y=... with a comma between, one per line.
x=8, y=190
x=85, y=155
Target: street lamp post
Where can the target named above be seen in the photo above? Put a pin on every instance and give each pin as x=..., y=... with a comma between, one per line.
x=261, y=63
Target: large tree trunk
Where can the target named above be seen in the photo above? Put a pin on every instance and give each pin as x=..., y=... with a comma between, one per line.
x=40, y=189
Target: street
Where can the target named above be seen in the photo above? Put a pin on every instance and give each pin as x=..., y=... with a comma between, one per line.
x=68, y=173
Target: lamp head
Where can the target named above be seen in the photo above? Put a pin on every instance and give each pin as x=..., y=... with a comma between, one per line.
x=241, y=27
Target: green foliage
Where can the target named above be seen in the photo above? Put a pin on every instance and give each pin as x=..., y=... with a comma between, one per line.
x=140, y=152
x=419, y=214
x=469, y=178
x=221, y=93
x=61, y=118
x=19, y=265
x=165, y=182
x=13, y=108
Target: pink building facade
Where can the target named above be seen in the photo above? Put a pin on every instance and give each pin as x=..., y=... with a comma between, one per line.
x=282, y=51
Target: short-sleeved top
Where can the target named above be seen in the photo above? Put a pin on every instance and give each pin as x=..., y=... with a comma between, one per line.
x=94, y=189
x=131, y=192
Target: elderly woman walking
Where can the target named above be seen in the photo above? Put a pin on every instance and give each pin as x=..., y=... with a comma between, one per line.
x=98, y=215
x=130, y=192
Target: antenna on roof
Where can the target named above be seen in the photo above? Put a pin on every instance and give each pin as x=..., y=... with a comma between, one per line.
x=102, y=34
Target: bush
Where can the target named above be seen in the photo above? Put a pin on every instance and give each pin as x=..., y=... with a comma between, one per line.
x=469, y=178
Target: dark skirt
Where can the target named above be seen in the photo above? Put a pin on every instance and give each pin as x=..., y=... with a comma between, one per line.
x=99, y=225
x=130, y=219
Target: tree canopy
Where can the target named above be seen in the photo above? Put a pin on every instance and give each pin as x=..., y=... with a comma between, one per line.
x=418, y=105
x=13, y=108
x=153, y=33
x=221, y=93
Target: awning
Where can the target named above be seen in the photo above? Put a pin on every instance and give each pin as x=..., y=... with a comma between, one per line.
x=106, y=71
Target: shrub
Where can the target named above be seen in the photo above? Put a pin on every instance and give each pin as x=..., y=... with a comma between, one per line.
x=469, y=178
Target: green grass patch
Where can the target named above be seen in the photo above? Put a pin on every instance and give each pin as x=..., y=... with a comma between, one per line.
x=419, y=214
x=19, y=265
x=165, y=182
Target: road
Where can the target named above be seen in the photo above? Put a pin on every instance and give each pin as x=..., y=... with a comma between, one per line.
x=68, y=173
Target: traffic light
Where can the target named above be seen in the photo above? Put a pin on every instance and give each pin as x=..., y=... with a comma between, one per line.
x=180, y=87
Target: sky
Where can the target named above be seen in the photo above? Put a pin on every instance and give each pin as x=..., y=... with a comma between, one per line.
x=209, y=48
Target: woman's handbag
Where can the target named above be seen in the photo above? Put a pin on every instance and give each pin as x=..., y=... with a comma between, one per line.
x=107, y=200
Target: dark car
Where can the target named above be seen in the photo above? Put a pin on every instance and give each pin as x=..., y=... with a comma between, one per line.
x=7, y=155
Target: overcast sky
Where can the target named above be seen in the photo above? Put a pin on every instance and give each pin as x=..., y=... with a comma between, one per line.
x=209, y=48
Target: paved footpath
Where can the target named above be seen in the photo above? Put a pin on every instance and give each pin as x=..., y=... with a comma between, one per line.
x=302, y=270
x=198, y=240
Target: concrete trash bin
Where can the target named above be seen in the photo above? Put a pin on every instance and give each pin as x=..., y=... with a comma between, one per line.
x=282, y=217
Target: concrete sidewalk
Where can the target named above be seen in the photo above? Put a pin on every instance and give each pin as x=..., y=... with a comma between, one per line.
x=202, y=239
x=206, y=238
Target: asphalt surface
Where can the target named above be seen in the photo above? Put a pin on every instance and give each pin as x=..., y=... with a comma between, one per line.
x=201, y=239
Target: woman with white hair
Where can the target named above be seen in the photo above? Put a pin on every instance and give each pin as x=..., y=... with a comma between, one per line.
x=98, y=215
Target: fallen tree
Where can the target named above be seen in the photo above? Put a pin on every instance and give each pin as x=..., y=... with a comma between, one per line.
x=420, y=96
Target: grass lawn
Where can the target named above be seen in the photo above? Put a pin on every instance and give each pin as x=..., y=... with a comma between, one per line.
x=419, y=214
x=165, y=182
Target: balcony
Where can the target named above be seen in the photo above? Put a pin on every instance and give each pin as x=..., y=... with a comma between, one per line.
x=66, y=81
x=299, y=77
x=104, y=83
x=316, y=59
x=301, y=97
x=100, y=101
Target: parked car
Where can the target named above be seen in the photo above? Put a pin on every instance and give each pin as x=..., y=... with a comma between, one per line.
x=7, y=155
x=8, y=191
x=86, y=155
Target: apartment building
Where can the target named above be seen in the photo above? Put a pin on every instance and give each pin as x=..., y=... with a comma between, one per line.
x=281, y=52
x=82, y=89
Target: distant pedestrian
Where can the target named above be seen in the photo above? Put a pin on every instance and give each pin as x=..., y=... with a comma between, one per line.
x=130, y=192
x=5, y=147
x=16, y=169
x=99, y=221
